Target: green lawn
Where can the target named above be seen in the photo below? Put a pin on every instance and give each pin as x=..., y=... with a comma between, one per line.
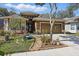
x=75, y=34
x=16, y=45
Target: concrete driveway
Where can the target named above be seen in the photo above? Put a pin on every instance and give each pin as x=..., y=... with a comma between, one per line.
x=70, y=40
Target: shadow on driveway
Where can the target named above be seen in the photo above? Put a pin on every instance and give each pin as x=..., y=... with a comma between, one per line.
x=74, y=39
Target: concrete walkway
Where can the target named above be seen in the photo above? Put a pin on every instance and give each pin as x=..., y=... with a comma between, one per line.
x=67, y=51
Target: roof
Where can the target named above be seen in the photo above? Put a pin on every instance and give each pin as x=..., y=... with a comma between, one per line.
x=44, y=16
x=45, y=19
x=72, y=19
x=29, y=14
x=13, y=16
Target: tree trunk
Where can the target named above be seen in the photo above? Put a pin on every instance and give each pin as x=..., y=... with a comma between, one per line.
x=51, y=28
x=52, y=21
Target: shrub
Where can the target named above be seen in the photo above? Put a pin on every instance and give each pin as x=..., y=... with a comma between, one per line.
x=2, y=33
x=7, y=32
x=13, y=47
x=7, y=37
x=2, y=53
x=45, y=39
x=1, y=42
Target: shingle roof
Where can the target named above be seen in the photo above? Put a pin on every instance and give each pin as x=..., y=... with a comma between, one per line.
x=72, y=19
x=12, y=16
x=45, y=19
x=29, y=14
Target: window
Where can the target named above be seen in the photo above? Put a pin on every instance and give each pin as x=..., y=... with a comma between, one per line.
x=77, y=27
x=72, y=27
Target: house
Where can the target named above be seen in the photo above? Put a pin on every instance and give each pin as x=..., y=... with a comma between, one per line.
x=41, y=23
x=8, y=20
x=35, y=23
x=72, y=24
x=1, y=21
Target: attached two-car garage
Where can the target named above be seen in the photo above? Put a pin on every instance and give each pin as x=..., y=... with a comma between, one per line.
x=45, y=28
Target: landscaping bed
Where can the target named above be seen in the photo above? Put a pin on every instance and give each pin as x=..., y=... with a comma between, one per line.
x=20, y=44
x=53, y=46
x=14, y=46
x=46, y=47
x=46, y=44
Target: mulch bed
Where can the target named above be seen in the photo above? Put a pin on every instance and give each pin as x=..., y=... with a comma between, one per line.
x=53, y=46
x=46, y=47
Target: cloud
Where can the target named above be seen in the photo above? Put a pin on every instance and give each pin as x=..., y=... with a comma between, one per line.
x=23, y=6
x=27, y=7
x=9, y=5
x=41, y=9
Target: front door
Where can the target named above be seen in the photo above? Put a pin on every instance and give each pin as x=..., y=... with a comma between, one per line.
x=30, y=26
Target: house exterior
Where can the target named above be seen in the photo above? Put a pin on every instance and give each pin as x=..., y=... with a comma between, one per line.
x=1, y=21
x=42, y=25
x=8, y=20
x=72, y=24
x=34, y=24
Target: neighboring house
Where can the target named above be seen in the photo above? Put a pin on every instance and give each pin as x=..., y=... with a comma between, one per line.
x=72, y=24
x=1, y=21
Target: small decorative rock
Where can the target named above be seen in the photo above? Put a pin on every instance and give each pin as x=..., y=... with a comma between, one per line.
x=57, y=42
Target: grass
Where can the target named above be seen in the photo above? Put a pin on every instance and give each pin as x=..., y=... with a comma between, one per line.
x=16, y=45
x=75, y=34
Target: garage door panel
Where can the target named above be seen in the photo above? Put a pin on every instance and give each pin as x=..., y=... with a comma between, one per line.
x=45, y=28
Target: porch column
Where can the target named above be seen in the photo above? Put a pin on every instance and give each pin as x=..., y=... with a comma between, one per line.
x=64, y=29
x=35, y=27
x=40, y=27
x=26, y=30
x=6, y=24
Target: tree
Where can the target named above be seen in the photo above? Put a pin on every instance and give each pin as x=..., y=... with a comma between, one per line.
x=4, y=11
x=72, y=7
x=53, y=8
x=69, y=11
x=65, y=13
x=12, y=12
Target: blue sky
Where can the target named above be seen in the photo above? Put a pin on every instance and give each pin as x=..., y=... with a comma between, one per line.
x=31, y=7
